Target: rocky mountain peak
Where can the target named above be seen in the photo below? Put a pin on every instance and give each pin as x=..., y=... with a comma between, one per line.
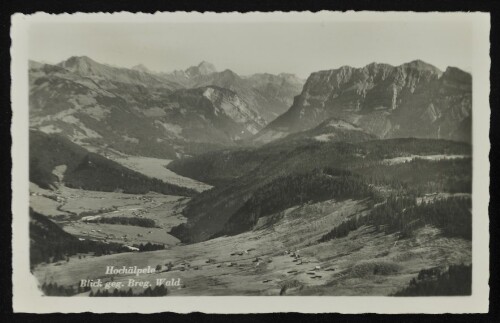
x=290, y=77
x=204, y=68
x=83, y=65
x=457, y=75
x=78, y=61
x=142, y=68
x=422, y=66
x=34, y=64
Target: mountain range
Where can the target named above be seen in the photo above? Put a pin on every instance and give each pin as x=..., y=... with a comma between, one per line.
x=165, y=115
x=414, y=99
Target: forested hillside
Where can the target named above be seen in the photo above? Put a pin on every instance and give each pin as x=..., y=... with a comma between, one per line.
x=252, y=182
x=455, y=281
x=284, y=192
x=273, y=159
x=79, y=168
x=49, y=243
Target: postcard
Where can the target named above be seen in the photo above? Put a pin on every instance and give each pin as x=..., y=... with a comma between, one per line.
x=251, y=162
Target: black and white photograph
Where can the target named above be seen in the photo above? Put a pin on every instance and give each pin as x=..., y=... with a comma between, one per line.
x=301, y=154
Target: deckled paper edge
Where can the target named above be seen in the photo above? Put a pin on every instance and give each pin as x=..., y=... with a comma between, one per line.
x=27, y=297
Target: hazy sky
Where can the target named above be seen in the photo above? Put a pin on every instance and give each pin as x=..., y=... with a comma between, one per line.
x=246, y=48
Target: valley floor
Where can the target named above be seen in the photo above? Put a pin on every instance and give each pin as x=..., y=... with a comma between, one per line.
x=77, y=210
x=151, y=167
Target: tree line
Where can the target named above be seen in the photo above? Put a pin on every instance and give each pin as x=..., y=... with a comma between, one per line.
x=159, y=290
x=148, y=246
x=456, y=280
x=53, y=289
x=135, y=221
x=420, y=176
x=403, y=215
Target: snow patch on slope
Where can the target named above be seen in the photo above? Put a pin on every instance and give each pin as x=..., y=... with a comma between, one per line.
x=325, y=137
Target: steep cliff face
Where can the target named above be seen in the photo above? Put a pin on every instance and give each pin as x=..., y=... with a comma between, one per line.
x=275, y=93
x=411, y=100
x=268, y=95
x=211, y=114
x=230, y=104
